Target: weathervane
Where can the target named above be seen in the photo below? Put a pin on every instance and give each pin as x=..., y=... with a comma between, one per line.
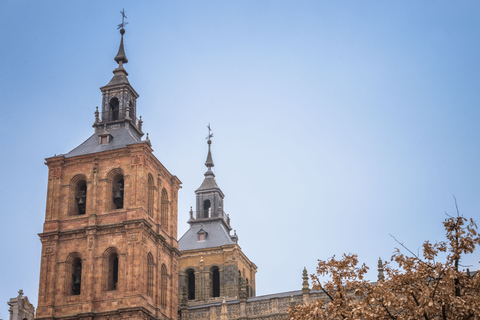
x=123, y=24
x=210, y=134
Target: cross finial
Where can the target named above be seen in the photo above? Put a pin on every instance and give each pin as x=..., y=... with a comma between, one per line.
x=123, y=24
x=210, y=133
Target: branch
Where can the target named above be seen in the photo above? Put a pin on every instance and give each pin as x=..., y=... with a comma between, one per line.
x=388, y=311
x=418, y=305
x=328, y=294
x=420, y=260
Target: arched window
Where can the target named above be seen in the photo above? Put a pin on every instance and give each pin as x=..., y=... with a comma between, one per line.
x=164, y=209
x=81, y=197
x=112, y=271
x=114, y=108
x=151, y=195
x=118, y=191
x=215, y=278
x=163, y=288
x=191, y=284
x=131, y=112
x=76, y=287
x=248, y=288
x=206, y=208
x=150, y=270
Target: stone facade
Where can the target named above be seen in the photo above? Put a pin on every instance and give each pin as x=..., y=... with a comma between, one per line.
x=109, y=241
x=230, y=260
x=269, y=307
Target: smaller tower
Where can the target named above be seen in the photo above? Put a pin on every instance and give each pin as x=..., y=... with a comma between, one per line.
x=119, y=100
x=209, y=196
x=212, y=264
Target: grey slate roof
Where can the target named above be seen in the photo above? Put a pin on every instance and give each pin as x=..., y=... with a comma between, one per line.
x=120, y=77
x=208, y=183
x=121, y=137
x=217, y=235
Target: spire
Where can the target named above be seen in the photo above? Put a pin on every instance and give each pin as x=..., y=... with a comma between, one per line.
x=120, y=74
x=209, y=163
x=381, y=276
x=121, y=58
x=305, y=286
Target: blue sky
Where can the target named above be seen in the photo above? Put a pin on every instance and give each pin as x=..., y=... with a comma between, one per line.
x=336, y=123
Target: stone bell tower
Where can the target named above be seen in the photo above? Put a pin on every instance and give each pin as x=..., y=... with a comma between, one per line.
x=109, y=241
x=212, y=264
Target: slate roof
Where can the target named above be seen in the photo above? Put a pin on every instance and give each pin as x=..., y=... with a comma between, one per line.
x=120, y=138
x=217, y=235
x=120, y=77
x=208, y=183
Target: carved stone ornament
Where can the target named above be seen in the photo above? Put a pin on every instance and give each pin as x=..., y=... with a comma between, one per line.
x=90, y=243
x=55, y=172
x=137, y=159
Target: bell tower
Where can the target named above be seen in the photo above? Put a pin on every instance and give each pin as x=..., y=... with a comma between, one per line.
x=212, y=264
x=119, y=99
x=109, y=241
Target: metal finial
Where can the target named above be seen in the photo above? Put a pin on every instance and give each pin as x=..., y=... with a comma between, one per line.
x=210, y=134
x=123, y=24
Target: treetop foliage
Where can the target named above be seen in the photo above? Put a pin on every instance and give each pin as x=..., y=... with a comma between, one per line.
x=421, y=287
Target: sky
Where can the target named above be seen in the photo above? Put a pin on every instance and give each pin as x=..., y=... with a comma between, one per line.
x=336, y=123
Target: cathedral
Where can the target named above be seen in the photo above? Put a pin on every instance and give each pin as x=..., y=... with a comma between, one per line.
x=109, y=240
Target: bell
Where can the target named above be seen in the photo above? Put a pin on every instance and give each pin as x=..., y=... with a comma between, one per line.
x=77, y=280
x=81, y=201
x=118, y=194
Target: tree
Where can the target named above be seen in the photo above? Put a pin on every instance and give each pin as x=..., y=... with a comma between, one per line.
x=419, y=288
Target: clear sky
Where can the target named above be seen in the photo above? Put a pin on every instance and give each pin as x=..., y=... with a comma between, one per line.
x=336, y=123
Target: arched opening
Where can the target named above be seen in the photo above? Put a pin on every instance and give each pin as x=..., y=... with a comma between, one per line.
x=191, y=284
x=114, y=108
x=164, y=210
x=81, y=197
x=206, y=208
x=163, y=287
x=248, y=288
x=118, y=191
x=76, y=276
x=215, y=274
x=150, y=270
x=112, y=271
x=131, y=112
x=151, y=195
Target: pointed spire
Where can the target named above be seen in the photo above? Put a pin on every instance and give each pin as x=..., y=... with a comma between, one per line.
x=381, y=276
x=209, y=163
x=305, y=285
x=121, y=58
